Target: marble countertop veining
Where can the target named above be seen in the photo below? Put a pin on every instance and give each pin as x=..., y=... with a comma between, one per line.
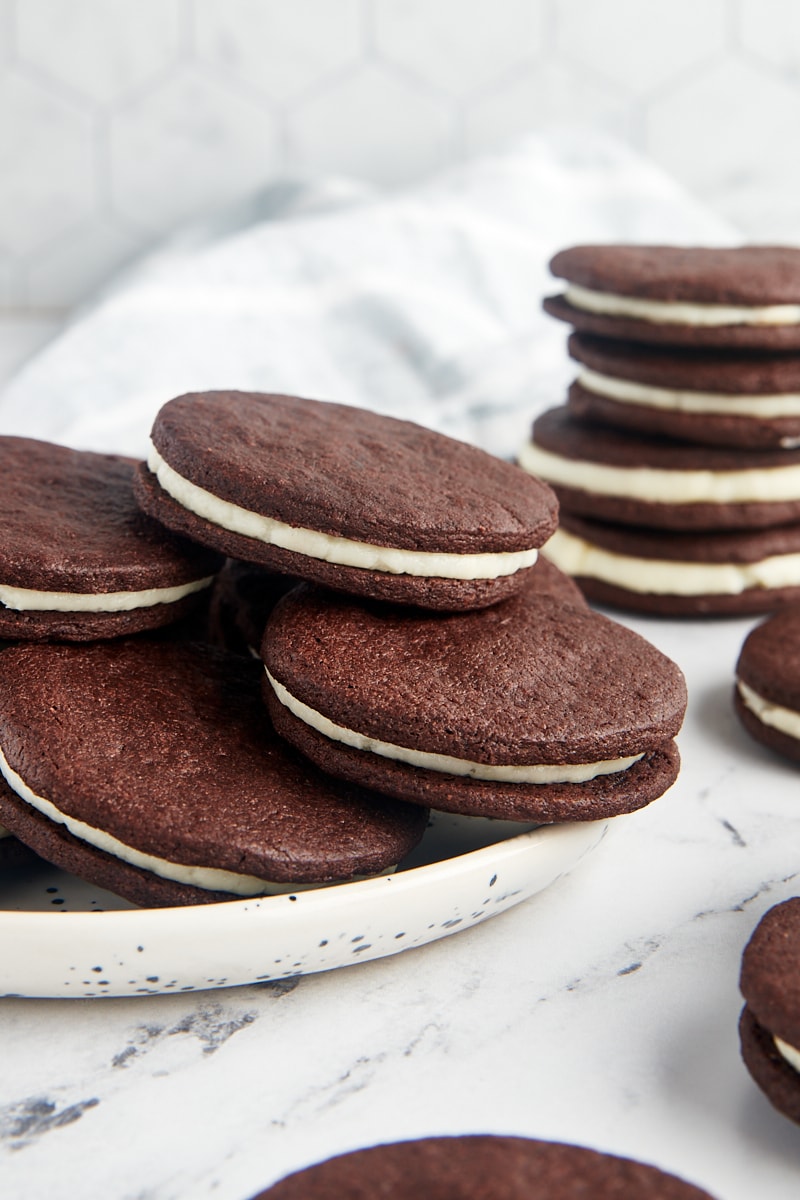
x=602, y=1011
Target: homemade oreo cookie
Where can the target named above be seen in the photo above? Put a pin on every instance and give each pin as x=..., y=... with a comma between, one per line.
x=769, y=1027
x=725, y=573
x=532, y=710
x=479, y=1167
x=345, y=497
x=767, y=692
x=78, y=560
x=624, y=477
x=736, y=297
x=734, y=399
x=151, y=769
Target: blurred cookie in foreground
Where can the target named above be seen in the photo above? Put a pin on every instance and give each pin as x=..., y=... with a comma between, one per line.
x=769, y=1027
x=345, y=497
x=479, y=1167
x=630, y=478
x=532, y=710
x=78, y=560
x=706, y=396
x=674, y=574
x=767, y=693
x=151, y=769
x=733, y=297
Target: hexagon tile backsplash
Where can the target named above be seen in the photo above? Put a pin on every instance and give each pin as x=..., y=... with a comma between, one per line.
x=121, y=118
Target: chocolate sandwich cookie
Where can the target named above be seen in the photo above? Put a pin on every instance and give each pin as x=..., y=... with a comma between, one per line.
x=479, y=1167
x=78, y=560
x=745, y=297
x=486, y=714
x=632, y=479
x=727, y=573
x=706, y=396
x=151, y=769
x=769, y=1027
x=767, y=692
x=348, y=498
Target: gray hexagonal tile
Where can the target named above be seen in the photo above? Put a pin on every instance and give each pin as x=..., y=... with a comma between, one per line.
x=373, y=125
x=725, y=134
x=186, y=147
x=278, y=47
x=771, y=29
x=102, y=48
x=455, y=46
x=46, y=164
x=67, y=272
x=546, y=94
x=641, y=46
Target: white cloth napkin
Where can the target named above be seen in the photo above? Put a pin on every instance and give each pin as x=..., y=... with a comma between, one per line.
x=424, y=304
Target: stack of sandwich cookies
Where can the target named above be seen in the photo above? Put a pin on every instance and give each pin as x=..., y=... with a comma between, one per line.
x=767, y=692
x=479, y=1166
x=345, y=497
x=769, y=1027
x=485, y=714
x=78, y=560
x=151, y=769
x=680, y=440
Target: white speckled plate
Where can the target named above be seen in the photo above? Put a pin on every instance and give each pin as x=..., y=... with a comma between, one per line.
x=62, y=937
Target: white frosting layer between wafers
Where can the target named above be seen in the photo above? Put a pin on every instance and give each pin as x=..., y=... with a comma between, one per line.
x=29, y=600
x=788, y=1053
x=625, y=391
x=444, y=763
x=342, y=551
x=673, y=312
x=785, y=720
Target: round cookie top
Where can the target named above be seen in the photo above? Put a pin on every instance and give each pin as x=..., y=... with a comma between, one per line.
x=506, y=686
x=770, y=977
x=167, y=748
x=474, y=1167
x=352, y=473
x=769, y=661
x=70, y=524
x=686, y=369
x=741, y=275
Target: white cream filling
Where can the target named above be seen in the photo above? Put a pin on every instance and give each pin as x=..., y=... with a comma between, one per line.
x=787, y=1052
x=654, y=484
x=209, y=878
x=542, y=773
x=785, y=720
x=29, y=600
x=339, y=550
x=577, y=557
x=627, y=392
x=677, y=312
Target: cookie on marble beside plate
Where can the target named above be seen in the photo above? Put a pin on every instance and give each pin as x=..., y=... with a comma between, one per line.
x=677, y=574
x=743, y=297
x=78, y=560
x=625, y=477
x=706, y=396
x=481, y=1167
x=767, y=692
x=345, y=497
x=151, y=769
x=532, y=710
x=769, y=1027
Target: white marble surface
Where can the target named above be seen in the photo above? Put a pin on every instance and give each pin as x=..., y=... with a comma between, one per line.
x=603, y=1011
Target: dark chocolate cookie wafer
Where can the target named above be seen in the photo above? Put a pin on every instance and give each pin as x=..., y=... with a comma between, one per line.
x=728, y=573
x=152, y=770
x=744, y=297
x=770, y=1022
x=481, y=1167
x=78, y=560
x=718, y=399
x=488, y=713
x=629, y=478
x=345, y=497
x=13, y=852
x=767, y=693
